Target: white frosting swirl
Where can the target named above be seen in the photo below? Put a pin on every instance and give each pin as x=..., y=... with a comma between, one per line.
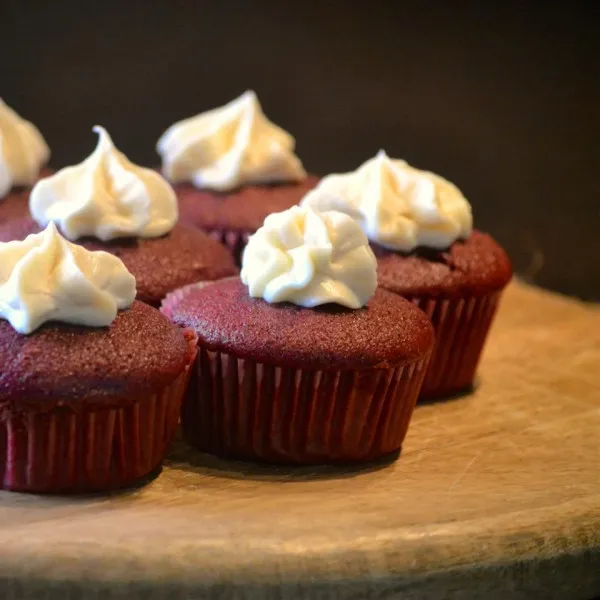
x=46, y=278
x=228, y=147
x=23, y=151
x=309, y=259
x=398, y=206
x=106, y=196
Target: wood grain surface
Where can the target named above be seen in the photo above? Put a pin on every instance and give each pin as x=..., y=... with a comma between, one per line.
x=496, y=495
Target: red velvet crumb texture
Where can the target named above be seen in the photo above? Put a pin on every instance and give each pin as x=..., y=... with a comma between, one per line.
x=242, y=210
x=160, y=265
x=15, y=204
x=141, y=352
x=473, y=267
x=390, y=331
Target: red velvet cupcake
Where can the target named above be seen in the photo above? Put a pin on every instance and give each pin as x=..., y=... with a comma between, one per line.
x=107, y=203
x=160, y=265
x=420, y=228
x=93, y=401
x=231, y=167
x=23, y=153
x=16, y=204
x=308, y=364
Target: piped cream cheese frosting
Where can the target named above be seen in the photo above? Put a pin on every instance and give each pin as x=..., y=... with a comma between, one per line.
x=106, y=196
x=23, y=151
x=47, y=278
x=228, y=147
x=308, y=259
x=398, y=206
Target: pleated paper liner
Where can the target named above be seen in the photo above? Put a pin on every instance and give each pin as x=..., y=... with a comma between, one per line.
x=234, y=240
x=461, y=328
x=238, y=408
x=76, y=451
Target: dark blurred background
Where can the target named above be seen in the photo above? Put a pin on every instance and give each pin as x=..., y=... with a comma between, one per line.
x=501, y=98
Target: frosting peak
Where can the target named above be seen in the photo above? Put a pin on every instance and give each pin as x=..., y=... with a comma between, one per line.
x=398, y=206
x=23, y=151
x=46, y=278
x=309, y=259
x=106, y=196
x=230, y=146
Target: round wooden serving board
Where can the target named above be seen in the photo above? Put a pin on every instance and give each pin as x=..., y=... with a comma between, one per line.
x=496, y=495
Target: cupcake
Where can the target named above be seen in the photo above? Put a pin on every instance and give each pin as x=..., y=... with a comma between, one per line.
x=92, y=379
x=231, y=167
x=302, y=360
x=23, y=153
x=107, y=203
x=420, y=228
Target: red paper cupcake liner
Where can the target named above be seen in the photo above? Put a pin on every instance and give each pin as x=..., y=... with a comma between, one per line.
x=234, y=240
x=241, y=409
x=67, y=451
x=461, y=327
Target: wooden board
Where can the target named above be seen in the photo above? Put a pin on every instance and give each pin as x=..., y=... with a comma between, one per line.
x=496, y=495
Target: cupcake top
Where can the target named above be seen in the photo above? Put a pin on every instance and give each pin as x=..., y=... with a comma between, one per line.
x=23, y=151
x=160, y=265
x=307, y=298
x=389, y=331
x=228, y=147
x=108, y=203
x=106, y=197
x=398, y=206
x=309, y=259
x=46, y=278
x=473, y=267
x=70, y=328
x=140, y=352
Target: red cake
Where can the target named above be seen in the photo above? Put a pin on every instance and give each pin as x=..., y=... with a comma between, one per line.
x=459, y=289
x=92, y=379
x=15, y=204
x=298, y=385
x=231, y=167
x=320, y=369
x=472, y=267
x=108, y=203
x=232, y=217
x=160, y=265
x=421, y=229
x=89, y=409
